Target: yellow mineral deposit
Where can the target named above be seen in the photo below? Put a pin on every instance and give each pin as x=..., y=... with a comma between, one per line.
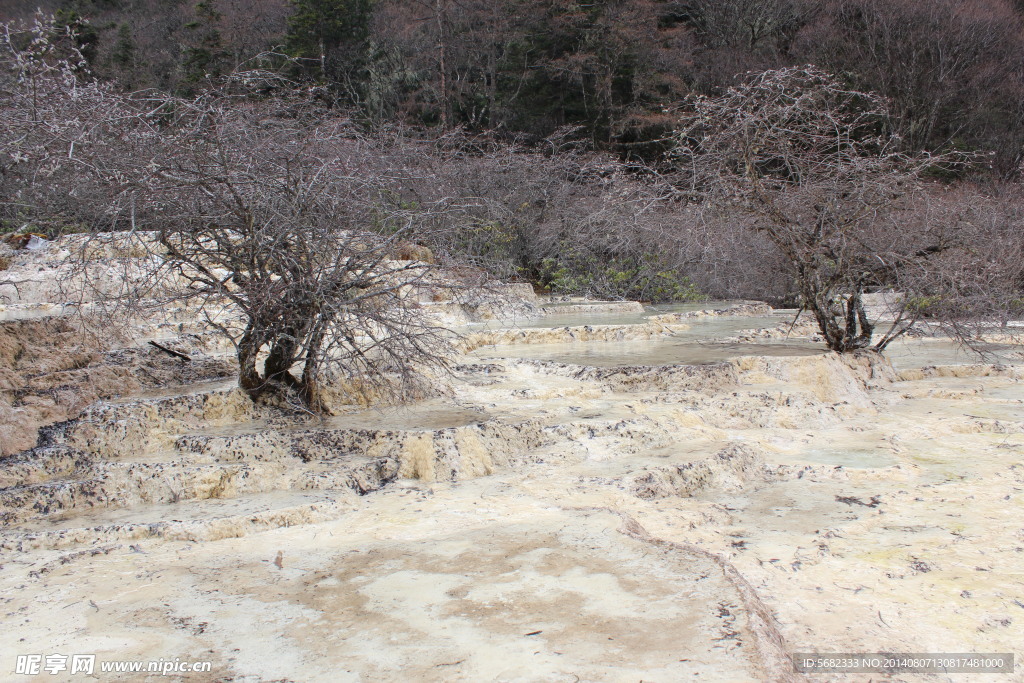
x=418, y=457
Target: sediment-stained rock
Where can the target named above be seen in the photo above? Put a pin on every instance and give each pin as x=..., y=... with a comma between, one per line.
x=209, y=520
x=591, y=307
x=731, y=467
x=547, y=518
x=52, y=370
x=743, y=309
x=114, y=485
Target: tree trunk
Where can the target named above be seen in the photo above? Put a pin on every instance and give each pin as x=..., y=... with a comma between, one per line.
x=439, y=11
x=855, y=330
x=249, y=379
x=310, y=385
x=278, y=365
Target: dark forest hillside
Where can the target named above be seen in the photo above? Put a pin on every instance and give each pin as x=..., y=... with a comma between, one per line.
x=953, y=69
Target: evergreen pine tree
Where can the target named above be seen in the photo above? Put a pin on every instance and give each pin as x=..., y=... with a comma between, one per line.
x=330, y=35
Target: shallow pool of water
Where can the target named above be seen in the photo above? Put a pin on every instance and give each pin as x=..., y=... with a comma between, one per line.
x=681, y=350
x=595, y=316
x=907, y=353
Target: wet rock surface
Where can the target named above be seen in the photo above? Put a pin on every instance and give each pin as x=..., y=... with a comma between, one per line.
x=548, y=519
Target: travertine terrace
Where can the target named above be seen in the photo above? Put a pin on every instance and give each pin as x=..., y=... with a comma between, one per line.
x=597, y=493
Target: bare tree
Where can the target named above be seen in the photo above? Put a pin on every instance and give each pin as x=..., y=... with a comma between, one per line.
x=749, y=24
x=958, y=79
x=50, y=117
x=273, y=218
x=813, y=166
x=294, y=222
x=972, y=279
